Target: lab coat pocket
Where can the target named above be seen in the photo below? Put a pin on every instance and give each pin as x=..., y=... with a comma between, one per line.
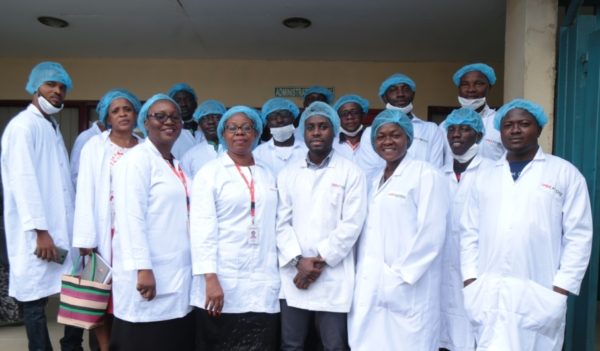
x=395, y=294
x=476, y=301
x=169, y=273
x=539, y=309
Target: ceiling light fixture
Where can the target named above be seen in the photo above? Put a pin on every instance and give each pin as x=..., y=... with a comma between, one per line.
x=53, y=22
x=297, y=23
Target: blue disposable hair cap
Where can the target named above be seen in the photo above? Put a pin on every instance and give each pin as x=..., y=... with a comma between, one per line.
x=486, y=70
x=104, y=104
x=182, y=87
x=209, y=107
x=392, y=116
x=47, y=72
x=276, y=104
x=534, y=109
x=395, y=79
x=319, y=108
x=465, y=116
x=143, y=115
x=249, y=112
x=317, y=89
x=362, y=102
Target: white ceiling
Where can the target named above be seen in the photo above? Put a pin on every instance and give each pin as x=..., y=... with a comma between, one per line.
x=358, y=30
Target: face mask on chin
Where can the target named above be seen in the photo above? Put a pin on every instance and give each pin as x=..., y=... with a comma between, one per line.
x=471, y=104
x=468, y=155
x=47, y=107
x=352, y=134
x=406, y=109
x=282, y=134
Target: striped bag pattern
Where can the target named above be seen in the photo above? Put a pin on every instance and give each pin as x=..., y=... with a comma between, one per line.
x=83, y=302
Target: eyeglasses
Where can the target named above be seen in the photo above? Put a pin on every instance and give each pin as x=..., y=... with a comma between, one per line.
x=245, y=128
x=353, y=113
x=162, y=117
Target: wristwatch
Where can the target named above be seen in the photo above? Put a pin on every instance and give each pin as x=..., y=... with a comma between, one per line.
x=294, y=262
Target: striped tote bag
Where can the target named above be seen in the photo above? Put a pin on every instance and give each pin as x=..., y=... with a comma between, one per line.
x=83, y=302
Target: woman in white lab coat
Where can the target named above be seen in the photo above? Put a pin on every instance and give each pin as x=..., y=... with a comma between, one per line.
x=397, y=293
x=93, y=227
x=464, y=130
x=234, y=255
x=151, y=257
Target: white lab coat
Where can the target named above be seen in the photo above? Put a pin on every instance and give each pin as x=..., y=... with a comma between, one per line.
x=321, y=212
x=80, y=141
x=520, y=239
x=184, y=142
x=344, y=149
x=397, y=297
x=267, y=153
x=38, y=194
x=220, y=217
x=456, y=333
x=198, y=156
x=427, y=145
x=151, y=232
x=92, y=225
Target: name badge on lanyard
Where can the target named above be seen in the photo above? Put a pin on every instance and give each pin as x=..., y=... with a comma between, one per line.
x=253, y=234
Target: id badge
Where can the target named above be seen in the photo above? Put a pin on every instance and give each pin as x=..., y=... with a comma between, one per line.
x=253, y=234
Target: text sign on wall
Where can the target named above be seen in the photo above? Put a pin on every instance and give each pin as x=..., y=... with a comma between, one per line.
x=294, y=91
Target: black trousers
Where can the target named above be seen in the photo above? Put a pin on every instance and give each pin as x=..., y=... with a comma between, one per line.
x=295, y=325
x=174, y=334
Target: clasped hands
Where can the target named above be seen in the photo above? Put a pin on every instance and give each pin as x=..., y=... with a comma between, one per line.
x=309, y=270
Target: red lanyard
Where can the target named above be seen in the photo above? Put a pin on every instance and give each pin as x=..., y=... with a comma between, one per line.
x=179, y=174
x=250, y=185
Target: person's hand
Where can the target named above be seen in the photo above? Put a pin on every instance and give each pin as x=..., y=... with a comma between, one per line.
x=214, y=295
x=85, y=251
x=146, y=284
x=560, y=290
x=301, y=282
x=309, y=270
x=468, y=281
x=45, y=248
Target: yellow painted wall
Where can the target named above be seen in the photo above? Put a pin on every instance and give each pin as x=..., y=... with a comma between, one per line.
x=248, y=82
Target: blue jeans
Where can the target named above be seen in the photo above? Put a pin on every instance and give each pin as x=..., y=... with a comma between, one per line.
x=34, y=317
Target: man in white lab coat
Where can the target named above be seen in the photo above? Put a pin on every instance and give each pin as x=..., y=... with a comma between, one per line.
x=38, y=202
x=474, y=82
x=398, y=92
x=185, y=96
x=526, y=239
x=322, y=207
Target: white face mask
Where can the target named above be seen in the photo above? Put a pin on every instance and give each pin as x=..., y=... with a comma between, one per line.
x=47, y=107
x=406, y=109
x=471, y=104
x=469, y=154
x=352, y=134
x=282, y=134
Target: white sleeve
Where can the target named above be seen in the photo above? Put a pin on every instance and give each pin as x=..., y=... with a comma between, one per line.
x=132, y=184
x=287, y=242
x=22, y=178
x=436, y=152
x=469, y=234
x=577, y=233
x=204, y=226
x=341, y=240
x=84, y=228
x=432, y=212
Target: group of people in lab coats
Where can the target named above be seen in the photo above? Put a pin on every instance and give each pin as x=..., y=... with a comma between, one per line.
x=403, y=235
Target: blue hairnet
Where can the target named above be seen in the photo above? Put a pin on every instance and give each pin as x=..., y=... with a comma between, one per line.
x=250, y=113
x=392, y=116
x=143, y=115
x=465, y=116
x=395, y=79
x=536, y=111
x=316, y=89
x=363, y=103
x=479, y=67
x=47, y=72
x=276, y=104
x=209, y=107
x=181, y=87
x=111, y=95
x=319, y=108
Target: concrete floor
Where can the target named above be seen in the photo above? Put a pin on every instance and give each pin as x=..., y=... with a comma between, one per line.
x=13, y=338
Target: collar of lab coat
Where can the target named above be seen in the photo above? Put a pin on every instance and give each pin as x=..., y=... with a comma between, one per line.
x=227, y=161
x=333, y=160
x=104, y=135
x=397, y=173
x=147, y=143
x=416, y=119
x=297, y=143
x=539, y=156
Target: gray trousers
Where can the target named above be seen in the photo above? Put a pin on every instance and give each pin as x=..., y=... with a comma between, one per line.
x=295, y=324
